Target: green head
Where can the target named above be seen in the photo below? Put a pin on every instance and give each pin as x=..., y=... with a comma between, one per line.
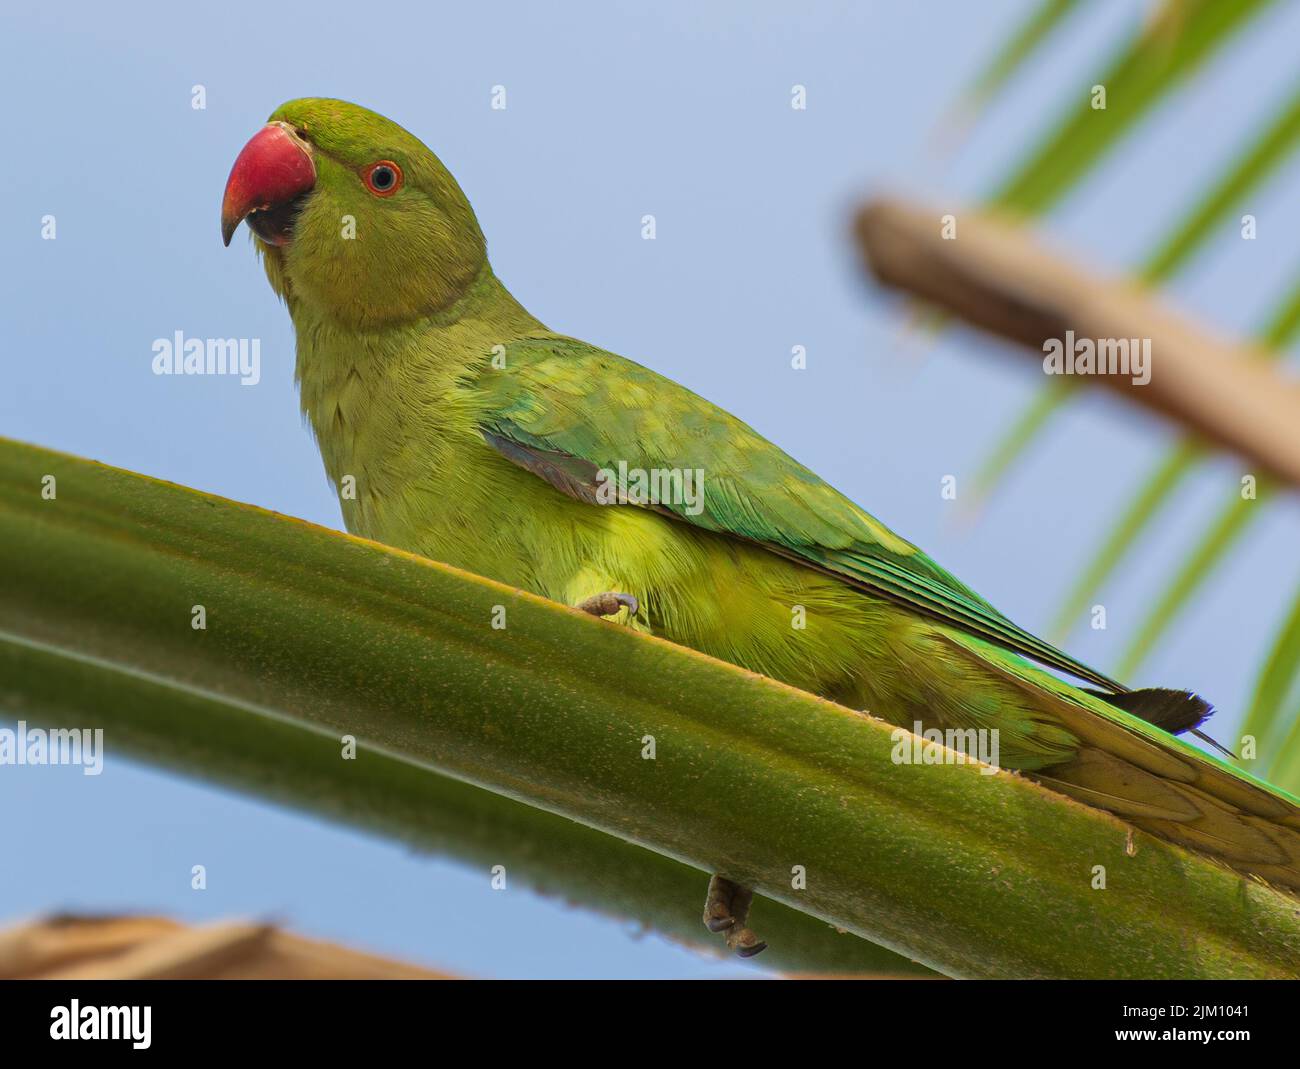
x=357, y=222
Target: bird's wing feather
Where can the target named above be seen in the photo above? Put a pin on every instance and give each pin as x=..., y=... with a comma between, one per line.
x=1153, y=779
x=565, y=410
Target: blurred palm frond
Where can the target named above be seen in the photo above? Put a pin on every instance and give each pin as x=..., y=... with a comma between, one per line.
x=1158, y=58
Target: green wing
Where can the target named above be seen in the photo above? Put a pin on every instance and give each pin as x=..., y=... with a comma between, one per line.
x=564, y=410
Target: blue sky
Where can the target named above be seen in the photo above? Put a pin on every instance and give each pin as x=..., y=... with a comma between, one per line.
x=614, y=111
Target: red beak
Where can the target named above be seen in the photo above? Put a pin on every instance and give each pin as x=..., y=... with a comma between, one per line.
x=272, y=171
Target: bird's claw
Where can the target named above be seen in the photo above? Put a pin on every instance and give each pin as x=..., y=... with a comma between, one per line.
x=725, y=911
x=719, y=924
x=609, y=603
x=746, y=944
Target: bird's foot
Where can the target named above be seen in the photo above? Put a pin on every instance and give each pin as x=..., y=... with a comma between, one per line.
x=725, y=911
x=608, y=603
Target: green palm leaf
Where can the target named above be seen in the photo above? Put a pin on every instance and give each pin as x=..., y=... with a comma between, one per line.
x=311, y=634
x=1141, y=510
x=1266, y=152
x=1274, y=695
x=1219, y=538
x=1279, y=332
x=1169, y=48
x=1032, y=33
x=1022, y=434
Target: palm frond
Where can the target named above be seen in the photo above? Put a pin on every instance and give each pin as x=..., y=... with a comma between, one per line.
x=1274, y=697
x=1145, y=505
x=1040, y=24
x=1224, y=533
x=1161, y=57
x=1280, y=331
x=1270, y=147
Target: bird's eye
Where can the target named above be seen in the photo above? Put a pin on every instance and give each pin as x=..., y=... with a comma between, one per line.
x=383, y=179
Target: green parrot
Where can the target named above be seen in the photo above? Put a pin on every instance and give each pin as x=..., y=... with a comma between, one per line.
x=478, y=437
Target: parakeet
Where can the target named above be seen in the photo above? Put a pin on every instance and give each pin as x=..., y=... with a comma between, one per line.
x=476, y=436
